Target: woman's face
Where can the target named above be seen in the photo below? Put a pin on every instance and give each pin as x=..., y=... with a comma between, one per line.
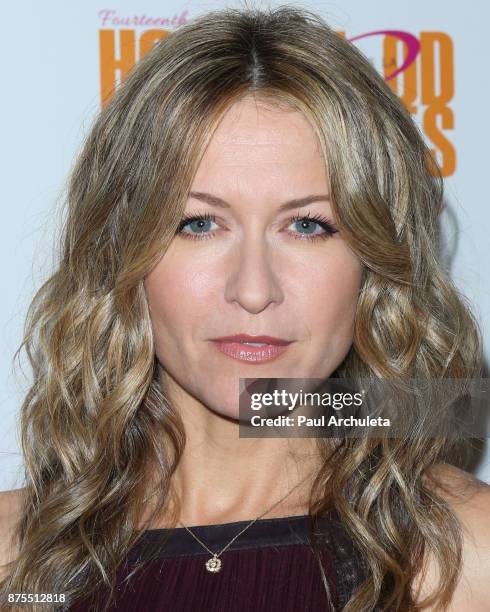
x=246, y=265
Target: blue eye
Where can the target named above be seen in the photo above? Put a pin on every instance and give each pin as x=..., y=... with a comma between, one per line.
x=199, y=226
x=312, y=227
x=307, y=226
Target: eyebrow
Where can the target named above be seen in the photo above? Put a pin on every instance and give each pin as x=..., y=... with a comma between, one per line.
x=296, y=203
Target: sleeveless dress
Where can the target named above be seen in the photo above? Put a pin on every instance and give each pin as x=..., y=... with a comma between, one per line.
x=270, y=567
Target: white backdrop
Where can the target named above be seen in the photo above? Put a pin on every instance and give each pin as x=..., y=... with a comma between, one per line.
x=57, y=56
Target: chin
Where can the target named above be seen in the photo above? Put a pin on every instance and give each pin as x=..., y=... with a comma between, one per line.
x=221, y=396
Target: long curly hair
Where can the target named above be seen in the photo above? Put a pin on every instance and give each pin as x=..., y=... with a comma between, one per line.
x=98, y=434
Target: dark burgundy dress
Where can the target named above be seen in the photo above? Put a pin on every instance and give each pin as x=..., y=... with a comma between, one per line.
x=269, y=567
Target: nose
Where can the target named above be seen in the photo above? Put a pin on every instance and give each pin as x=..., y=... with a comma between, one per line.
x=251, y=281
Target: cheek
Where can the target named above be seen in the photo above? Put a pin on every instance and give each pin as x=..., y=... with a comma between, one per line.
x=178, y=292
x=330, y=298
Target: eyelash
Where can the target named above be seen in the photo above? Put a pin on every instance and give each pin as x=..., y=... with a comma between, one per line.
x=323, y=222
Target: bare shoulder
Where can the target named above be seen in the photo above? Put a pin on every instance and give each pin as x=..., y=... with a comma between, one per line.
x=10, y=510
x=469, y=498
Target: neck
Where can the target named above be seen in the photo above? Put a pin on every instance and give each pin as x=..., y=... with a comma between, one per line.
x=222, y=478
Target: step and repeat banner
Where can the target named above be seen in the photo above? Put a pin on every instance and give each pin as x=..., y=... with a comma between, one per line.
x=62, y=61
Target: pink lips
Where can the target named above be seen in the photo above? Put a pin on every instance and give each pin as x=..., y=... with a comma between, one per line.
x=236, y=347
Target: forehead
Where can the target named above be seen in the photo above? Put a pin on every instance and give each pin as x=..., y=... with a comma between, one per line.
x=259, y=131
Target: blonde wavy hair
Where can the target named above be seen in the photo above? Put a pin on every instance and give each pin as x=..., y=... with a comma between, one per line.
x=93, y=422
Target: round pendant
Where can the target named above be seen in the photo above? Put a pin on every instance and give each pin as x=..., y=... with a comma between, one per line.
x=213, y=564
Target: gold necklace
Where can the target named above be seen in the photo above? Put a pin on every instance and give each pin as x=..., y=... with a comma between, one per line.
x=214, y=563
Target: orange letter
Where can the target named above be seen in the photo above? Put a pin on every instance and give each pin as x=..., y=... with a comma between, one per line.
x=109, y=64
x=428, y=41
x=433, y=132
x=437, y=101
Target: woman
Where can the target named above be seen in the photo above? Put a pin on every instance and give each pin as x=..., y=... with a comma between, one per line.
x=253, y=202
